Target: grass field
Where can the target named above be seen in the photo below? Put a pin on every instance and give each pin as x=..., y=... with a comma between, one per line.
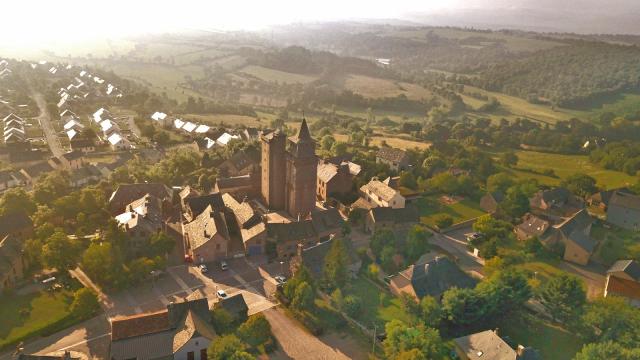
x=430, y=207
x=272, y=75
x=621, y=104
x=554, y=343
x=23, y=315
x=565, y=165
x=516, y=107
x=380, y=88
x=378, y=307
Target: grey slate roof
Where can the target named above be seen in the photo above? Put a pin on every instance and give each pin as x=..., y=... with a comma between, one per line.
x=235, y=305
x=391, y=154
x=197, y=204
x=434, y=277
x=629, y=267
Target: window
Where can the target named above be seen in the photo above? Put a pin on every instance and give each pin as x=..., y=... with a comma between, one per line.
x=191, y=356
x=203, y=354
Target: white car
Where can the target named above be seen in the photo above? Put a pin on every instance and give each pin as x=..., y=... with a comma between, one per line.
x=224, y=265
x=203, y=268
x=221, y=294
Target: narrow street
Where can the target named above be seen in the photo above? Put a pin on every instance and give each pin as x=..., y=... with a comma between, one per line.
x=45, y=123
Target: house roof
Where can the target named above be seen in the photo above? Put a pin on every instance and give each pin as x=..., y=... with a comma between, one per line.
x=243, y=159
x=485, y=345
x=398, y=216
x=73, y=155
x=234, y=304
x=292, y=231
x=605, y=196
x=328, y=220
x=38, y=169
x=433, y=277
x=326, y=171
x=623, y=287
x=197, y=204
x=232, y=182
x=205, y=226
x=145, y=213
x=141, y=324
x=625, y=200
x=225, y=138
x=391, y=154
x=533, y=226
x=127, y=193
x=629, y=267
x=380, y=189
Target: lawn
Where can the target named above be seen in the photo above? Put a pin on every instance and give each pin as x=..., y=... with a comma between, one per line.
x=466, y=209
x=378, y=307
x=616, y=243
x=554, y=343
x=21, y=315
x=540, y=271
x=566, y=165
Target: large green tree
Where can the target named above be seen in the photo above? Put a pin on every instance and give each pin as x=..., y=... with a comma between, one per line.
x=408, y=342
x=61, y=252
x=227, y=347
x=564, y=297
x=607, y=351
x=335, y=272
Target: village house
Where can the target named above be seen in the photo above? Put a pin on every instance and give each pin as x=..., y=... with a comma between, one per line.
x=430, y=276
x=118, y=142
x=250, y=225
x=398, y=220
x=181, y=332
x=623, y=279
x=240, y=186
x=33, y=172
x=84, y=145
x=491, y=200
x=488, y=345
x=624, y=210
x=72, y=160
x=531, y=226
x=378, y=194
x=287, y=236
x=556, y=203
x=142, y=219
x=206, y=237
x=397, y=159
x=335, y=178
x=250, y=134
x=195, y=205
x=125, y=194
x=601, y=198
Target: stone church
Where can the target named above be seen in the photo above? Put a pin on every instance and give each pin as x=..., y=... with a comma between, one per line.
x=289, y=172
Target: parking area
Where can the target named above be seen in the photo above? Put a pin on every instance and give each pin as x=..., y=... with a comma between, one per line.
x=178, y=282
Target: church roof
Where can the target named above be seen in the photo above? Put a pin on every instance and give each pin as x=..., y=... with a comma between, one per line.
x=303, y=134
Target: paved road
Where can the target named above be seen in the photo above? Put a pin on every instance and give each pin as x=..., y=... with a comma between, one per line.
x=455, y=244
x=297, y=343
x=45, y=123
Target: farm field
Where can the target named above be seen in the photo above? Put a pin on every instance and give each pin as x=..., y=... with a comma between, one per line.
x=431, y=206
x=565, y=165
x=371, y=87
x=272, y=75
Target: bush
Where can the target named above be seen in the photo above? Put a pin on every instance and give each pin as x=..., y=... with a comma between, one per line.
x=443, y=221
x=352, y=305
x=85, y=303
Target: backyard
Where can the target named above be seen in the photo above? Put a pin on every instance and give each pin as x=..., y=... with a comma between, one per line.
x=378, y=307
x=460, y=210
x=25, y=315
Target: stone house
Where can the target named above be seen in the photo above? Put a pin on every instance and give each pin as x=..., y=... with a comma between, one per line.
x=623, y=279
x=398, y=220
x=397, y=159
x=624, y=210
x=378, y=194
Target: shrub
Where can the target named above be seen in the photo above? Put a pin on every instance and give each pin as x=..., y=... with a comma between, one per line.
x=352, y=305
x=443, y=221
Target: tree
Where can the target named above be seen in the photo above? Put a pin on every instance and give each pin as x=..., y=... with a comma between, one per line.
x=443, y=221
x=408, y=180
x=102, y=265
x=339, y=148
x=327, y=142
x=380, y=239
x=335, y=272
x=85, y=303
x=505, y=291
x=303, y=297
x=612, y=318
x=420, y=341
x=15, y=201
x=580, y=184
x=352, y=305
x=509, y=159
x=255, y=331
x=515, y=203
x=430, y=312
x=161, y=243
x=607, y=351
x=499, y=182
x=227, y=347
x=222, y=320
x=563, y=296
x=60, y=252
x=463, y=307
x=416, y=243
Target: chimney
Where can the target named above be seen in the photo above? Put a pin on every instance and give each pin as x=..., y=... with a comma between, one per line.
x=300, y=249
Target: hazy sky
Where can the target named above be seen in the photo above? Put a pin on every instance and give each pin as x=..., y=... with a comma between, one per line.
x=47, y=23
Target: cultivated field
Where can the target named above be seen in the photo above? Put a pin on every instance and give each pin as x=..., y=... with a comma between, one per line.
x=371, y=87
x=272, y=75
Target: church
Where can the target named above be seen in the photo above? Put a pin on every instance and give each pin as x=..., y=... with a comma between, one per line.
x=289, y=172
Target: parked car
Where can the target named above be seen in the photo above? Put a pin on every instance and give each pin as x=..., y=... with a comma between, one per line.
x=474, y=236
x=221, y=294
x=203, y=268
x=280, y=279
x=224, y=265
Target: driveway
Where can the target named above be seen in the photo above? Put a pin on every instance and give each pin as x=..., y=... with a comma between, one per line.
x=455, y=244
x=295, y=342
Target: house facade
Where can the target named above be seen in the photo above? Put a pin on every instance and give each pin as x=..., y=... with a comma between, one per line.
x=624, y=210
x=378, y=194
x=397, y=159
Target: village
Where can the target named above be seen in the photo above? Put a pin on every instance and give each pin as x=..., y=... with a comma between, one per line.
x=275, y=239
